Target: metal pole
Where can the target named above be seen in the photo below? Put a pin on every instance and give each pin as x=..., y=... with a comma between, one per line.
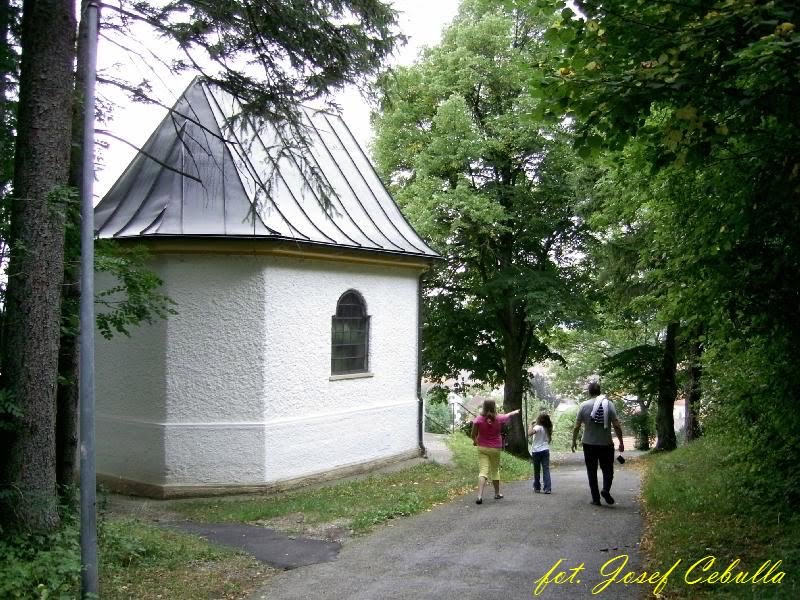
x=89, y=583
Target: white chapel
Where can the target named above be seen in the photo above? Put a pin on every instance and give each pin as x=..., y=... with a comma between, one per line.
x=294, y=353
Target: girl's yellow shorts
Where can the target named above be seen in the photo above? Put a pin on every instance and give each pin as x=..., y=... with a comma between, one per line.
x=489, y=463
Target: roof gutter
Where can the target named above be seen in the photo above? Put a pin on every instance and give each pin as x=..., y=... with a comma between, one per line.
x=257, y=245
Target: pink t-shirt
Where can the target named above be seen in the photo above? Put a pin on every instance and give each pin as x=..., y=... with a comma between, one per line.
x=489, y=433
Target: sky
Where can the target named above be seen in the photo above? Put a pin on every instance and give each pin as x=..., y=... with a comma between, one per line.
x=422, y=21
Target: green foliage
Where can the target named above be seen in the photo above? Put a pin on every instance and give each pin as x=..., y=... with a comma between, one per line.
x=563, y=424
x=642, y=424
x=406, y=504
x=751, y=397
x=540, y=390
x=364, y=502
x=40, y=566
x=491, y=188
x=636, y=368
x=135, y=298
x=697, y=200
x=591, y=351
x=698, y=503
x=438, y=418
x=297, y=51
x=47, y=566
x=438, y=394
x=626, y=57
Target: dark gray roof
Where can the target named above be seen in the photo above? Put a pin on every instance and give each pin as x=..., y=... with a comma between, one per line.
x=204, y=174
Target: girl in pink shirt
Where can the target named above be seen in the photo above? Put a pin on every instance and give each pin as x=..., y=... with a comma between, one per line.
x=486, y=435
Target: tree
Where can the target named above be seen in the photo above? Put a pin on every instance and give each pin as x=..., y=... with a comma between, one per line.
x=272, y=56
x=707, y=89
x=33, y=298
x=493, y=190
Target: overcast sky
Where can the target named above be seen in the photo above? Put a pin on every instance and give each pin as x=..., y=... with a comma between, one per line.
x=421, y=21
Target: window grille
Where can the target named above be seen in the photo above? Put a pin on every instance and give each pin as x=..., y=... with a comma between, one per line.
x=350, y=335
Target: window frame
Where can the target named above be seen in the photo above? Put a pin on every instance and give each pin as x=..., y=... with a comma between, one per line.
x=363, y=328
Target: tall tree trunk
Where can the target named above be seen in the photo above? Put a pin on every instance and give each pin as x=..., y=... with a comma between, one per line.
x=665, y=424
x=692, y=425
x=8, y=67
x=67, y=420
x=515, y=383
x=41, y=170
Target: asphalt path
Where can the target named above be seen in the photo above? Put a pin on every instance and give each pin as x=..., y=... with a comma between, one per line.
x=501, y=549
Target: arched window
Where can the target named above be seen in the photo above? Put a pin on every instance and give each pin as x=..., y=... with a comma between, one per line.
x=350, y=335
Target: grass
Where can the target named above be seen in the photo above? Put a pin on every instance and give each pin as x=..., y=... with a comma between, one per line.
x=695, y=509
x=362, y=503
x=137, y=561
x=143, y=562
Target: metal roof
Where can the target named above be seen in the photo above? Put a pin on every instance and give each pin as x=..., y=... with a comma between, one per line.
x=206, y=173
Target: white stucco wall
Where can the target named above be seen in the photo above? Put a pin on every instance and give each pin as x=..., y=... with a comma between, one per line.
x=236, y=389
x=314, y=423
x=130, y=387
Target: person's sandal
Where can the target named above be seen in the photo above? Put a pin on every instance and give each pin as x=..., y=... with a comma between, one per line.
x=479, y=501
x=498, y=496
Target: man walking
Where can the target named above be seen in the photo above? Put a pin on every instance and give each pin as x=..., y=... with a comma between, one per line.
x=595, y=414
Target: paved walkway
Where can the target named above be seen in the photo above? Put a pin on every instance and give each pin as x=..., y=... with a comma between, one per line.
x=436, y=448
x=461, y=551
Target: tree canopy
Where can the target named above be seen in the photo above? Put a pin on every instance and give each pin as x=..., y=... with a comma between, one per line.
x=701, y=96
x=494, y=191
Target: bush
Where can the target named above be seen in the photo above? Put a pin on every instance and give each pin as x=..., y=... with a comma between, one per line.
x=697, y=505
x=438, y=418
x=643, y=427
x=37, y=566
x=563, y=424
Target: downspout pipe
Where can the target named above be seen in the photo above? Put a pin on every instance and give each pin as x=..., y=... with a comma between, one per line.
x=420, y=401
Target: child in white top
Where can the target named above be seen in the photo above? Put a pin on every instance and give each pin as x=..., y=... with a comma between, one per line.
x=542, y=433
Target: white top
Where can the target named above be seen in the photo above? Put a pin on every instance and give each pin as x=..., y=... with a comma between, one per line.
x=600, y=411
x=540, y=442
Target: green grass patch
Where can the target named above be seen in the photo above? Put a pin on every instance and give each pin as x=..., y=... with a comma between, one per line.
x=137, y=561
x=363, y=503
x=145, y=562
x=697, y=508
